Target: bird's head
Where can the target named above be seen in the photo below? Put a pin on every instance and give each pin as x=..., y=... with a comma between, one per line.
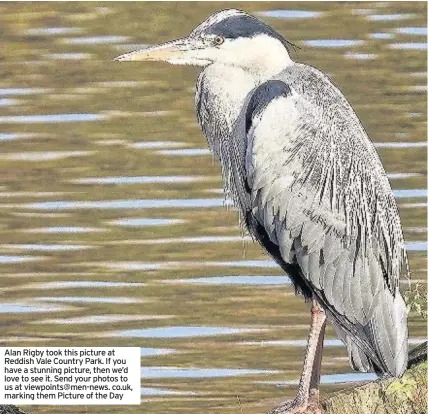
x=229, y=37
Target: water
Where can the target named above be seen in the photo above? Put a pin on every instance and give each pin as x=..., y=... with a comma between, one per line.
x=16, y=259
x=21, y=91
x=43, y=156
x=95, y=40
x=381, y=35
x=47, y=247
x=114, y=227
x=68, y=56
x=181, y=332
x=403, y=145
x=332, y=379
x=160, y=391
x=139, y=222
x=51, y=118
x=419, y=31
x=138, y=180
x=172, y=372
x=156, y=144
x=410, y=46
x=411, y=193
x=53, y=31
x=236, y=280
x=89, y=299
x=15, y=308
x=128, y=204
x=65, y=229
x=290, y=14
x=333, y=43
x=389, y=17
x=360, y=56
x=188, y=152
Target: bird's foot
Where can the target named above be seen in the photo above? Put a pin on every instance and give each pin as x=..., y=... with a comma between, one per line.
x=310, y=405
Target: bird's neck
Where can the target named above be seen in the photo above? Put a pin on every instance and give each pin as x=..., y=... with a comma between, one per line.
x=225, y=88
x=263, y=67
x=261, y=57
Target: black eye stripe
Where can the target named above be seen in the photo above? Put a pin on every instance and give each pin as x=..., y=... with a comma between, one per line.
x=243, y=26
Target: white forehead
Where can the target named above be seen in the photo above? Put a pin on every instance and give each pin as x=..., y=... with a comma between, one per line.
x=218, y=17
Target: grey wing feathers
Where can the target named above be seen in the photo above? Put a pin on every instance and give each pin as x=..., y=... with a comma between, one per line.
x=319, y=190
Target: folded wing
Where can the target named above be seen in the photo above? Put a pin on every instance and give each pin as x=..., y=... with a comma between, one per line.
x=316, y=189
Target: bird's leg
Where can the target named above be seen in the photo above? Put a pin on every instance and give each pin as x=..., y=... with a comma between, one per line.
x=319, y=315
x=307, y=398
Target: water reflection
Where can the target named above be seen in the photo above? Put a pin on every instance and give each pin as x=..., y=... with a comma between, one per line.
x=185, y=152
x=52, y=118
x=414, y=205
x=148, y=352
x=43, y=156
x=149, y=391
x=88, y=299
x=65, y=229
x=125, y=204
x=8, y=137
x=139, y=180
x=422, y=31
x=22, y=91
x=290, y=14
x=156, y=144
x=304, y=342
x=18, y=308
x=175, y=372
x=8, y=102
x=95, y=40
x=65, y=284
x=142, y=222
x=401, y=145
x=417, y=246
x=181, y=331
x=381, y=35
x=52, y=31
x=46, y=247
x=386, y=17
x=333, y=43
x=414, y=193
x=132, y=266
x=105, y=319
x=236, y=280
x=409, y=46
x=402, y=176
x=17, y=259
x=330, y=379
x=68, y=56
x=360, y=56
x=201, y=239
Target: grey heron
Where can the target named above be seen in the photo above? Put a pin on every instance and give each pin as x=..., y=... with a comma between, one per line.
x=308, y=184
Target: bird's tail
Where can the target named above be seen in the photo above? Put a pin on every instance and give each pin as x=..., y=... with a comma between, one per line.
x=387, y=333
x=386, y=337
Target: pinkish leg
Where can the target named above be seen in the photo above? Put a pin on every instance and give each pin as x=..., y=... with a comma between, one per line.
x=307, y=398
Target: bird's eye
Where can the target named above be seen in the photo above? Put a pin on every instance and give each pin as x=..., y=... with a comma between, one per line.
x=218, y=40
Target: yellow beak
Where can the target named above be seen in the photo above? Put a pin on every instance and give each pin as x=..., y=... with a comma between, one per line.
x=162, y=52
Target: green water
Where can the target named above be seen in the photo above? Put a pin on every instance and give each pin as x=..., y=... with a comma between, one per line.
x=104, y=181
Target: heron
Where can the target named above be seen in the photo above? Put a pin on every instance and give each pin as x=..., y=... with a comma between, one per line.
x=308, y=184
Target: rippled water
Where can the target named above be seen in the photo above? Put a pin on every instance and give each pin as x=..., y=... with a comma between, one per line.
x=114, y=228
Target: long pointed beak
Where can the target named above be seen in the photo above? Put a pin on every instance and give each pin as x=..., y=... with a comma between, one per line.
x=162, y=52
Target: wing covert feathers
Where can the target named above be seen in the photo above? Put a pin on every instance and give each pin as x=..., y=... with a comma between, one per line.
x=320, y=192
